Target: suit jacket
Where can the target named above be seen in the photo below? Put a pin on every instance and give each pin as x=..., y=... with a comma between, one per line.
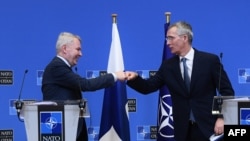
x=204, y=82
x=61, y=83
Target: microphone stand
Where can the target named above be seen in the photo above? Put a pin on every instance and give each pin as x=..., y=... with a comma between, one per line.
x=82, y=103
x=19, y=103
x=220, y=99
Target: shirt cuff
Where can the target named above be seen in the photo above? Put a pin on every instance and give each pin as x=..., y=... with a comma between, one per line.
x=115, y=77
x=220, y=116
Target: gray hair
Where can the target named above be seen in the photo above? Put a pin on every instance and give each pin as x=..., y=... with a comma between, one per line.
x=184, y=28
x=65, y=38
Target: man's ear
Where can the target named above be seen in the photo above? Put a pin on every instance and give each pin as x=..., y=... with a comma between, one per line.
x=185, y=37
x=64, y=48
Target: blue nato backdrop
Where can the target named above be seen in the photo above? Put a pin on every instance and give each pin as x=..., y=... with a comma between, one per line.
x=29, y=30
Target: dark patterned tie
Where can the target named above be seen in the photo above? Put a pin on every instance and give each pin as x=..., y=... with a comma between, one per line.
x=185, y=73
x=187, y=82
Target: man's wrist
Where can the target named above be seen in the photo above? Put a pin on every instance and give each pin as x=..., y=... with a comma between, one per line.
x=115, y=77
x=220, y=116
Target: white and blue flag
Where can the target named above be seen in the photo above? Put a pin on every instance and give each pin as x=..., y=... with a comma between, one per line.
x=114, y=121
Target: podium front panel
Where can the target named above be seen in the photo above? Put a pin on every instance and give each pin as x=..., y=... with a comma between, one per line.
x=231, y=110
x=36, y=123
x=71, y=121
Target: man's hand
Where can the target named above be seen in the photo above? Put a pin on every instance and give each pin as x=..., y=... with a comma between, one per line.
x=120, y=75
x=131, y=75
x=219, y=126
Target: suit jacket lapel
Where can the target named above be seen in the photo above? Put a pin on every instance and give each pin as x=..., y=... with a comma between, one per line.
x=196, y=69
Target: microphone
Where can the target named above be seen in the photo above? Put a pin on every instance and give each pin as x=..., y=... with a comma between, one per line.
x=82, y=102
x=19, y=103
x=221, y=54
x=220, y=100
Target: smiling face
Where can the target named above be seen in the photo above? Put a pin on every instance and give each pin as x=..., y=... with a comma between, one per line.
x=72, y=51
x=68, y=46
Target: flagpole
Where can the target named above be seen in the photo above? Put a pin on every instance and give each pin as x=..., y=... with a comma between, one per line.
x=168, y=14
x=165, y=118
x=114, y=18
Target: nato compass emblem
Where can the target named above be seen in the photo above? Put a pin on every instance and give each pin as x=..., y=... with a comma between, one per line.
x=244, y=116
x=51, y=123
x=143, y=132
x=165, y=119
x=244, y=75
x=248, y=119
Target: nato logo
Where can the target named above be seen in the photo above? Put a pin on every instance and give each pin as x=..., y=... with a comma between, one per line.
x=244, y=75
x=39, y=77
x=143, y=132
x=93, y=133
x=51, y=125
x=244, y=116
x=12, y=108
x=166, y=127
x=146, y=132
x=143, y=73
x=92, y=74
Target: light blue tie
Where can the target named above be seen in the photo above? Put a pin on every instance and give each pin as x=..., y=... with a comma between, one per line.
x=187, y=82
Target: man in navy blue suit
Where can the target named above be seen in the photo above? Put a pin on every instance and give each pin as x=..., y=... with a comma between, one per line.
x=61, y=83
x=192, y=104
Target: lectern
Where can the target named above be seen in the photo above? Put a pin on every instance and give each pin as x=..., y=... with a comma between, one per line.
x=236, y=113
x=235, y=109
x=52, y=120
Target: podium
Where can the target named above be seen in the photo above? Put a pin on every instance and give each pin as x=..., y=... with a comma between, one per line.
x=235, y=109
x=52, y=120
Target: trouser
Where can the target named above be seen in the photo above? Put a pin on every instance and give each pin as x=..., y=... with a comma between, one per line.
x=194, y=133
x=82, y=134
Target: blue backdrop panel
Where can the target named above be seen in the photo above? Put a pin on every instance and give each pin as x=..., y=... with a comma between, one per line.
x=29, y=29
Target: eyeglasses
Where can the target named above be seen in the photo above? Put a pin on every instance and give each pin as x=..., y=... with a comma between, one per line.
x=171, y=38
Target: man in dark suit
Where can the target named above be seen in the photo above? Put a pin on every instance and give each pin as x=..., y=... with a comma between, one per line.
x=192, y=104
x=61, y=83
